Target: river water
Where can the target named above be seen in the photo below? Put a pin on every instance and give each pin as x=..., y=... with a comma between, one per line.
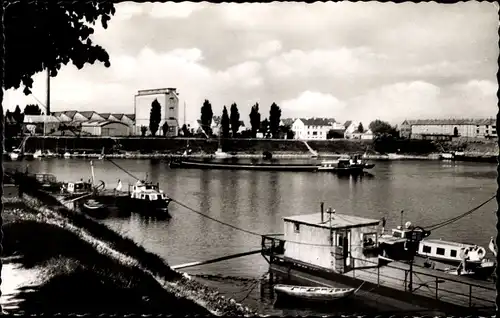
x=428, y=192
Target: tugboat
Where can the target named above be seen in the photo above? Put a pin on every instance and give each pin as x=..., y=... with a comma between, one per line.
x=147, y=198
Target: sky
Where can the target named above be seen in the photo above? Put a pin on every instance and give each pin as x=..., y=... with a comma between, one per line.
x=349, y=61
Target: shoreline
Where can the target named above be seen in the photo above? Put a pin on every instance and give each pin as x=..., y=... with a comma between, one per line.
x=129, y=254
x=478, y=157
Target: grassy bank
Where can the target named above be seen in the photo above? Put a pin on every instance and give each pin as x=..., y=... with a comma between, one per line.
x=126, y=251
x=77, y=278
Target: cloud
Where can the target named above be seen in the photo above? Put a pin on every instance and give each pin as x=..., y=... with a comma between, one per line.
x=174, y=9
x=126, y=10
x=180, y=68
x=396, y=102
x=264, y=49
x=342, y=62
x=312, y=104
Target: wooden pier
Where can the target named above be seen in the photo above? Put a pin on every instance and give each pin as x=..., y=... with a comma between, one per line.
x=427, y=288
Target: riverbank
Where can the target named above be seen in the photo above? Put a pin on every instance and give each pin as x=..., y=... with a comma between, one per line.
x=160, y=147
x=106, y=268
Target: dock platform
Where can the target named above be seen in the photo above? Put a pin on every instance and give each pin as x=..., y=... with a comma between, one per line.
x=428, y=288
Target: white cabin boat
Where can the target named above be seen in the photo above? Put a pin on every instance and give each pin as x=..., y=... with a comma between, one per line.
x=37, y=154
x=67, y=155
x=313, y=293
x=450, y=252
x=147, y=198
x=221, y=154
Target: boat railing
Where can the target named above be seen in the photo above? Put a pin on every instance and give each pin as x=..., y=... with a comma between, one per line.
x=273, y=244
x=439, y=286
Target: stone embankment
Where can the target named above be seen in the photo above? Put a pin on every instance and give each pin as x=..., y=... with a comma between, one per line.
x=160, y=147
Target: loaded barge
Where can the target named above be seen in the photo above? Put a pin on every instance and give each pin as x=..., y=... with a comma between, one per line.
x=341, y=165
x=342, y=251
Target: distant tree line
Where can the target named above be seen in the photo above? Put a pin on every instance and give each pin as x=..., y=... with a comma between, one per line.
x=230, y=122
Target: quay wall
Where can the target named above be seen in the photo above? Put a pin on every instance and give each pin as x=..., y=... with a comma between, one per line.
x=247, y=146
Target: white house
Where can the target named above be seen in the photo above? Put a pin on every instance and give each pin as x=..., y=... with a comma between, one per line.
x=351, y=129
x=312, y=128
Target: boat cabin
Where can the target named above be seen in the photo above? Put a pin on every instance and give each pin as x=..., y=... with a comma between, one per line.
x=336, y=242
x=147, y=191
x=78, y=187
x=451, y=251
x=338, y=163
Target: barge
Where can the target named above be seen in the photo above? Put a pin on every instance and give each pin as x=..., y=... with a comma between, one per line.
x=336, y=250
x=341, y=165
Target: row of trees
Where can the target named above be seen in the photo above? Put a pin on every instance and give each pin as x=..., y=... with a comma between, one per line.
x=230, y=122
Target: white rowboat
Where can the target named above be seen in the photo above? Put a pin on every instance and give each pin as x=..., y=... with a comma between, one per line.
x=314, y=293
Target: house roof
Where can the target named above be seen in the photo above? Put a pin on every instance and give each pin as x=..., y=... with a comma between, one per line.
x=131, y=116
x=40, y=119
x=87, y=114
x=97, y=123
x=70, y=113
x=338, y=220
x=347, y=123
x=465, y=121
x=105, y=115
x=118, y=116
x=287, y=121
x=318, y=121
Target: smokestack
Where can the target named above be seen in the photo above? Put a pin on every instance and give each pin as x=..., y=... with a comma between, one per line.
x=322, y=214
x=48, y=94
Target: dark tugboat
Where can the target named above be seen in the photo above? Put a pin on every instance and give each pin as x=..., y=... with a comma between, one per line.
x=146, y=198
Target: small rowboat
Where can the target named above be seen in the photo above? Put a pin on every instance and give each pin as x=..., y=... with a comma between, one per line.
x=313, y=293
x=95, y=209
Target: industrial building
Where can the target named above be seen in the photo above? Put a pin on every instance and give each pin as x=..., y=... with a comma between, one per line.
x=446, y=129
x=169, y=102
x=105, y=128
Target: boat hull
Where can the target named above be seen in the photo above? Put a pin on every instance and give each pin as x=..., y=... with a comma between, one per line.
x=151, y=208
x=187, y=164
x=315, y=294
x=98, y=210
x=262, y=167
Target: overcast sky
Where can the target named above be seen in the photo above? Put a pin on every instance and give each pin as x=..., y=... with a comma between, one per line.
x=349, y=61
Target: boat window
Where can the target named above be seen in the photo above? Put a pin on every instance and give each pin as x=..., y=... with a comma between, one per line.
x=340, y=240
x=152, y=196
x=426, y=249
x=440, y=251
x=453, y=253
x=396, y=234
x=296, y=227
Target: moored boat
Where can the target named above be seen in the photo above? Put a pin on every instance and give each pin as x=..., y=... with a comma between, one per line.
x=146, y=198
x=464, y=259
x=95, y=209
x=323, y=294
x=15, y=154
x=38, y=154
x=242, y=166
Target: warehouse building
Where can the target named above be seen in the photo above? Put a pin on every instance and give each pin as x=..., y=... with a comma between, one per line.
x=106, y=128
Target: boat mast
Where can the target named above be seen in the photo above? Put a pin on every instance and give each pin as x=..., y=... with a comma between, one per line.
x=92, y=171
